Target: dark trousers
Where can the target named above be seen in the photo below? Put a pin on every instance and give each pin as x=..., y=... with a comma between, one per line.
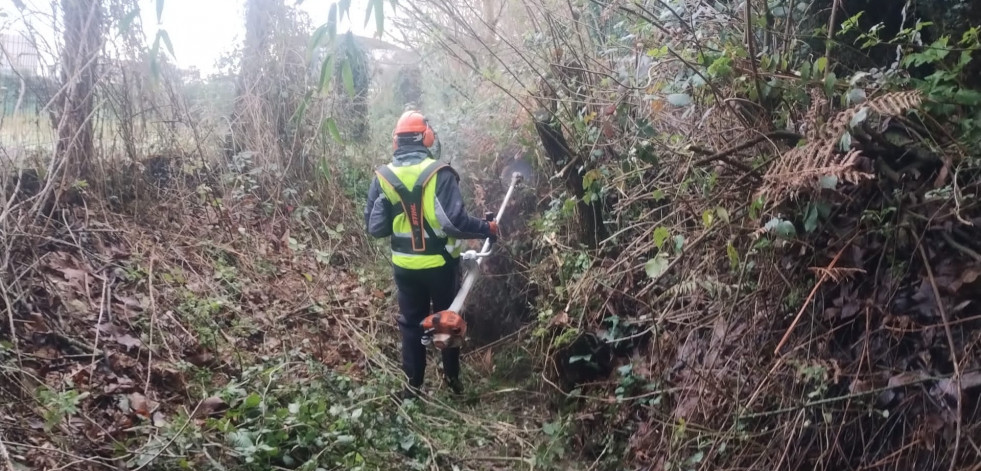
x=421, y=293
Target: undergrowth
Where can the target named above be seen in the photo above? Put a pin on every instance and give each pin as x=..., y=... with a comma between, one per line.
x=748, y=241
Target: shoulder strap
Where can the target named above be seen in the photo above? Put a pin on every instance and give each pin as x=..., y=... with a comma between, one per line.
x=412, y=205
x=431, y=171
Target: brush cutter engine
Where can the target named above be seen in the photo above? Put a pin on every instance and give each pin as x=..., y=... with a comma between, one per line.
x=445, y=329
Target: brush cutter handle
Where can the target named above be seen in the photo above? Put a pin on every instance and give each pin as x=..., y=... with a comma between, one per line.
x=471, y=276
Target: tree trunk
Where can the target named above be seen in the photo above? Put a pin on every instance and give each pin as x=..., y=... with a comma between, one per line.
x=253, y=126
x=592, y=229
x=79, y=61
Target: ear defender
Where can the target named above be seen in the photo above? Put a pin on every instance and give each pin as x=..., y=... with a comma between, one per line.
x=428, y=136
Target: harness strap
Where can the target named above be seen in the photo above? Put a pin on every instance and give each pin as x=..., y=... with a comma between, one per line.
x=412, y=207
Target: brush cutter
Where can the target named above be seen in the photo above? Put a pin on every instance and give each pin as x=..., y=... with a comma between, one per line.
x=447, y=329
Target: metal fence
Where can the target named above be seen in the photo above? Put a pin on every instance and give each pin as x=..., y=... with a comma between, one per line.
x=18, y=56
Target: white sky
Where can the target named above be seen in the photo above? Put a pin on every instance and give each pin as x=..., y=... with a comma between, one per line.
x=201, y=30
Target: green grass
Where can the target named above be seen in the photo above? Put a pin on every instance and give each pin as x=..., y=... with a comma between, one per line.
x=25, y=131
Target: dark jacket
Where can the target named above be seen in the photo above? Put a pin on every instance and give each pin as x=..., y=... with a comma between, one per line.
x=450, y=210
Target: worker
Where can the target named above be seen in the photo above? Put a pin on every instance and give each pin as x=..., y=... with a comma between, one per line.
x=415, y=201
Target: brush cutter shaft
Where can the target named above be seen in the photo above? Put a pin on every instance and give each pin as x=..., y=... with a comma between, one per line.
x=471, y=275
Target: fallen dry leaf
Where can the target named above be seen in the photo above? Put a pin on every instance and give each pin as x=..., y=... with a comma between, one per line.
x=209, y=407
x=129, y=302
x=906, y=378
x=561, y=318
x=141, y=405
x=968, y=381
x=128, y=341
x=47, y=353
x=77, y=278
x=159, y=420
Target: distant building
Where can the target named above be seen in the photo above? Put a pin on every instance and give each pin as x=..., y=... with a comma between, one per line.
x=18, y=55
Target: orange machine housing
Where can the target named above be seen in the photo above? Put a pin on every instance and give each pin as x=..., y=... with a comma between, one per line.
x=447, y=329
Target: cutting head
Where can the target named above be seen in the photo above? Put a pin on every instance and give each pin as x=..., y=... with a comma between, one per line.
x=518, y=166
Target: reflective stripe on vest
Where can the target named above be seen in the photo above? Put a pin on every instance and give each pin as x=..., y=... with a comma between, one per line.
x=412, y=191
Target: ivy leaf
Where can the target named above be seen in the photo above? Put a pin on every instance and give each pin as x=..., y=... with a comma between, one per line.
x=679, y=242
x=252, y=400
x=657, y=53
x=855, y=96
x=590, y=177
x=805, y=71
x=811, y=218
x=821, y=64
x=723, y=214
x=733, y=256
x=656, y=266
x=967, y=97
x=859, y=117
x=661, y=234
x=708, y=217
x=407, y=442
x=782, y=228
x=829, y=83
x=721, y=67
x=679, y=99
x=828, y=182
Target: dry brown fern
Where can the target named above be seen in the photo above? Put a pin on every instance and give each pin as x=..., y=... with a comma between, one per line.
x=802, y=167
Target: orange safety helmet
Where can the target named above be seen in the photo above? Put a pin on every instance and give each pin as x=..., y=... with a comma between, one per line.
x=413, y=122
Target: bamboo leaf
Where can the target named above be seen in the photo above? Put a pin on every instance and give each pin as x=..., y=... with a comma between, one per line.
x=332, y=22
x=348, y=75
x=154, y=58
x=330, y=124
x=160, y=10
x=316, y=39
x=301, y=110
x=379, y=17
x=326, y=73
x=345, y=8
x=166, y=40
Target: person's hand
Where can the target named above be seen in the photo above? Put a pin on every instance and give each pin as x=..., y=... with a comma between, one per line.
x=495, y=231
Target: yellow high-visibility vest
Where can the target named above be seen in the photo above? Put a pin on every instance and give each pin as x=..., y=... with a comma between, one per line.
x=418, y=241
